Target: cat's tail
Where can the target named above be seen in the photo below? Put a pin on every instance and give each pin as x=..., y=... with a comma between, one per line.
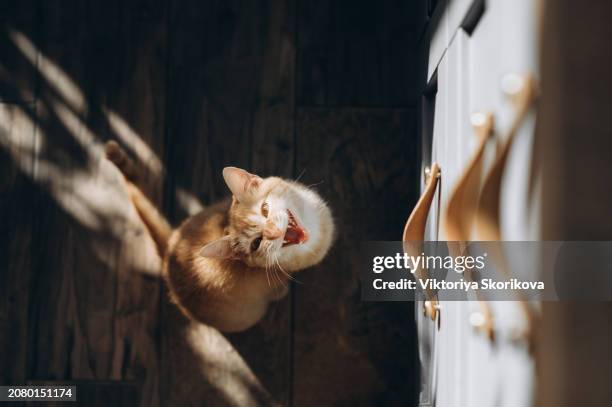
x=158, y=227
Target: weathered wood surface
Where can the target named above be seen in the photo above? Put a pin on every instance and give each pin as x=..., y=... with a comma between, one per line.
x=188, y=87
x=349, y=352
x=17, y=135
x=357, y=53
x=17, y=191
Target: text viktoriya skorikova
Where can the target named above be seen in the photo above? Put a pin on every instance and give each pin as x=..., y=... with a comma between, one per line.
x=432, y=284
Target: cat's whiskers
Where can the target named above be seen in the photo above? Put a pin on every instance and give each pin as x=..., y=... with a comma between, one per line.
x=315, y=184
x=280, y=280
x=272, y=257
x=277, y=280
x=268, y=275
x=268, y=254
x=289, y=276
x=270, y=263
x=300, y=176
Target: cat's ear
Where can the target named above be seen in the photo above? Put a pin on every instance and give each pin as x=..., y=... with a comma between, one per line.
x=219, y=249
x=240, y=182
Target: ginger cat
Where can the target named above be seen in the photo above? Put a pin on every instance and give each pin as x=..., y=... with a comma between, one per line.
x=224, y=265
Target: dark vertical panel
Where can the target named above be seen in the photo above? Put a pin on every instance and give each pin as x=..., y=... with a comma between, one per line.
x=17, y=135
x=215, y=62
x=95, y=289
x=349, y=352
x=573, y=154
x=138, y=99
x=17, y=193
x=230, y=102
x=357, y=53
x=73, y=289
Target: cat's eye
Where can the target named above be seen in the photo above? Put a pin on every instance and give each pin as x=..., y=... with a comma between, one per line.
x=255, y=244
x=265, y=209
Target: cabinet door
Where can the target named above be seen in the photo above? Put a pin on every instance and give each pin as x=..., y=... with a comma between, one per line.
x=503, y=43
x=458, y=348
x=450, y=147
x=468, y=370
x=483, y=47
x=520, y=192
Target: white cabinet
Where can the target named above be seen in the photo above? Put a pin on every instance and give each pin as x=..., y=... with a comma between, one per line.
x=462, y=367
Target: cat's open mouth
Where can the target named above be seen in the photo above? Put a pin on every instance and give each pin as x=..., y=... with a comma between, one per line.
x=295, y=233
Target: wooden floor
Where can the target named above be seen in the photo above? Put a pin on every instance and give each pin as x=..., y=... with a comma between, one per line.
x=319, y=88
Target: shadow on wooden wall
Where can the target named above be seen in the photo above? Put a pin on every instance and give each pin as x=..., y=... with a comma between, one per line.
x=189, y=87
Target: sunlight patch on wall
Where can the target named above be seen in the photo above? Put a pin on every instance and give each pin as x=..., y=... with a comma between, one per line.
x=134, y=142
x=188, y=202
x=18, y=136
x=223, y=366
x=54, y=75
x=77, y=128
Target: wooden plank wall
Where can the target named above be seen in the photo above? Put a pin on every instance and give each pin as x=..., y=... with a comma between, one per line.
x=323, y=89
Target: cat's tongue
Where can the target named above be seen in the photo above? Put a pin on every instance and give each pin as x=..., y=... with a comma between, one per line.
x=294, y=235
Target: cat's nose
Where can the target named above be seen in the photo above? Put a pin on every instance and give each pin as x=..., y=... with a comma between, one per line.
x=271, y=231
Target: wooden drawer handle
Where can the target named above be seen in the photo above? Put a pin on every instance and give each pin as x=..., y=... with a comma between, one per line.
x=522, y=92
x=463, y=202
x=461, y=211
x=414, y=233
